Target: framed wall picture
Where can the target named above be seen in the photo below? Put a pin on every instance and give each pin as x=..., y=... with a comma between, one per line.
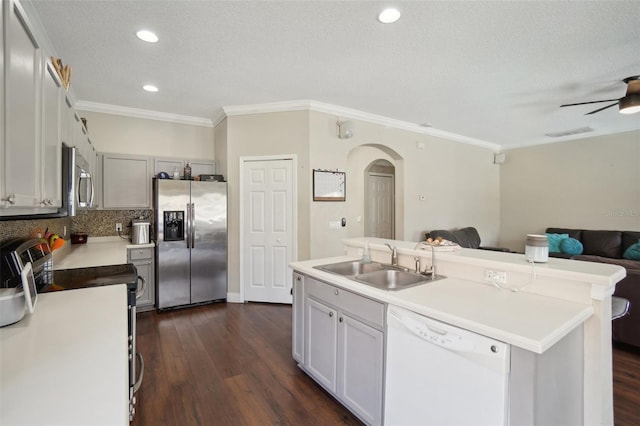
x=328, y=185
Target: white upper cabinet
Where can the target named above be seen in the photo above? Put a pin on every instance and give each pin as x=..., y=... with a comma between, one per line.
x=52, y=96
x=22, y=144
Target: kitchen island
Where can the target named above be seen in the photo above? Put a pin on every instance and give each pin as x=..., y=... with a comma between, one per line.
x=67, y=362
x=561, y=308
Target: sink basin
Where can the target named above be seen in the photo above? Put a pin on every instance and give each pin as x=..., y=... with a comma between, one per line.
x=351, y=267
x=379, y=275
x=392, y=279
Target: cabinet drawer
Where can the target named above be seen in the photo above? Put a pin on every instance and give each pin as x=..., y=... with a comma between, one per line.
x=359, y=306
x=140, y=254
x=367, y=309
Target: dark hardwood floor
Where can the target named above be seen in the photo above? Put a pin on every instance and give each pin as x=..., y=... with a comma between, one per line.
x=230, y=364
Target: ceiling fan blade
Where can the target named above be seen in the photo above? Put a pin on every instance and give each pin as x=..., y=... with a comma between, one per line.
x=602, y=109
x=592, y=102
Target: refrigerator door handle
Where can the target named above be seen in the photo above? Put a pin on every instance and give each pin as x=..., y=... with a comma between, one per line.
x=188, y=225
x=193, y=225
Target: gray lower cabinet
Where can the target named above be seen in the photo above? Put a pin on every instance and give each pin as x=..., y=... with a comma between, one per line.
x=344, y=346
x=143, y=260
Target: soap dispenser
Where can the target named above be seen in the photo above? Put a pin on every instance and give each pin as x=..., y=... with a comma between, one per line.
x=366, y=257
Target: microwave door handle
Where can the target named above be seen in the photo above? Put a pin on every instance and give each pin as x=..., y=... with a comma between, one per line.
x=92, y=191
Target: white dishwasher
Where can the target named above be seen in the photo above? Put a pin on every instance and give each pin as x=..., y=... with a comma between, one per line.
x=437, y=374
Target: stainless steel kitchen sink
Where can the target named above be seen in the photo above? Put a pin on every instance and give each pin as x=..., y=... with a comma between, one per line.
x=379, y=275
x=351, y=267
x=392, y=279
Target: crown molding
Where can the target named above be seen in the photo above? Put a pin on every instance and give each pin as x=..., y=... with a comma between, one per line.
x=343, y=112
x=143, y=113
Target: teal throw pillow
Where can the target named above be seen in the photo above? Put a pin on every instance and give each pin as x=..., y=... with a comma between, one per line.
x=571, y=246
x=554, y=241
x=633, y=252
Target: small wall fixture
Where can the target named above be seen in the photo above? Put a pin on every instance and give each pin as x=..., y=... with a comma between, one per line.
x=345, y=129
x=630, y=104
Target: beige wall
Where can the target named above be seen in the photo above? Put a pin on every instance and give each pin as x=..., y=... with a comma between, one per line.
x=459, y=181
x=589, y=183
x=129, y=135
x=269, y=134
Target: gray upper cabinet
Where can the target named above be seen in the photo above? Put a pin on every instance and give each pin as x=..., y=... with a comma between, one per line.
x=198, y=167
x=125, y=182
x=22, y=145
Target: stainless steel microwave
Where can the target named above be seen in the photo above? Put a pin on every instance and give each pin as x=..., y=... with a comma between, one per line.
x=78, y=186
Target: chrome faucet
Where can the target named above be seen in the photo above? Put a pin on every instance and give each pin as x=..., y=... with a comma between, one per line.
x=394, y=255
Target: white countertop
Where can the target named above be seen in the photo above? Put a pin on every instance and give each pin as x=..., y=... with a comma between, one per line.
x=530, y=321
x=67, y=363
x=98, y=251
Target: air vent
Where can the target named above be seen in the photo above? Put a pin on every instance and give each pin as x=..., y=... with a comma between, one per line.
x=577, y=131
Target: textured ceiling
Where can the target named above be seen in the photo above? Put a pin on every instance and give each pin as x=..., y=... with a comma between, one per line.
x=492, y=71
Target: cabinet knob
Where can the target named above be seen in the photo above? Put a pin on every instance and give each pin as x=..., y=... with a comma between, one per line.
x=340, y=319
x=335, y=292
x=331, y=314
x=299, y=278
x=11, y=199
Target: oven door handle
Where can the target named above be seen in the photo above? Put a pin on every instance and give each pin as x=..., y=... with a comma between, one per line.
x=142, y=288
x=138, y=382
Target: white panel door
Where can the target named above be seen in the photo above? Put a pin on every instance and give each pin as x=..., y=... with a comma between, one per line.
x=380, y=206
x=268, y=230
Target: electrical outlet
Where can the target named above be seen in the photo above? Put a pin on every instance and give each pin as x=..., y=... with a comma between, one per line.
x=118, y=227
x=499, y=277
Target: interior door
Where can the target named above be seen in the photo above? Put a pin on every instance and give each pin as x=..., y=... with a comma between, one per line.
x=380, y=203
x=268, y=235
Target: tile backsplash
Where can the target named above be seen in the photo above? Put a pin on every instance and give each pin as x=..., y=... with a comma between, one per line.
x=96, y=223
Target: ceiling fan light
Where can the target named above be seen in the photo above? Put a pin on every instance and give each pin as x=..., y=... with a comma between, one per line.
x=630, y=104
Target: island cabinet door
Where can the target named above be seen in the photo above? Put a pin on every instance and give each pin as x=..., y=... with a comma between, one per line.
x=321, y=340
x=360, y=368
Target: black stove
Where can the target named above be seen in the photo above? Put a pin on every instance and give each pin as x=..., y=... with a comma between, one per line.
x=70, y=279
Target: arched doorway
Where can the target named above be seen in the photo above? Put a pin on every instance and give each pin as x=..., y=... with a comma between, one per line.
x=379, y=195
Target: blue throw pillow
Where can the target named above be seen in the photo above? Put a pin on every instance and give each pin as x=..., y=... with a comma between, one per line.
x=554, y=241
x=571, y=246
x=633, y=252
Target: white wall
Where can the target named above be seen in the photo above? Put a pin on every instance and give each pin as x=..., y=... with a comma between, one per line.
x=589, y=183
x=129, y=135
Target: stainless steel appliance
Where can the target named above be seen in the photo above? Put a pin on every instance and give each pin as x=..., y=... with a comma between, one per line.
x=77, y=182
x=191, y=242
x=14, y=254
x=140, y=231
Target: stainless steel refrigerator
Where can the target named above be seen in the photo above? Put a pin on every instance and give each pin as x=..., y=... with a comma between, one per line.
x=191, y=242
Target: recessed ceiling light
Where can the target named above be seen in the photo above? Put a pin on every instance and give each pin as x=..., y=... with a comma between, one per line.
x=147, y=36
x=150, y=88
x=389, y=16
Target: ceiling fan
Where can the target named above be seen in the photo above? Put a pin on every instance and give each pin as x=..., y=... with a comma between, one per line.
x=628, y=104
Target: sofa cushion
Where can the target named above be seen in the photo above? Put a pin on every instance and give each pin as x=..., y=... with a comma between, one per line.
x=629, y=238
x=573, y=233
x=633, y=252
x=554, y=242
x=602, y=243
x=571, y=246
